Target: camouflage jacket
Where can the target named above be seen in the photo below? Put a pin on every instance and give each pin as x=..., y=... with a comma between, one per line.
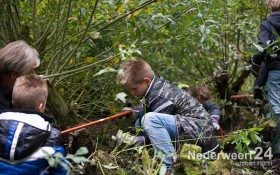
x=191, y=117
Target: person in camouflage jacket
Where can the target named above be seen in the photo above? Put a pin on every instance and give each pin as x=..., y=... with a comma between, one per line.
x=170, y=113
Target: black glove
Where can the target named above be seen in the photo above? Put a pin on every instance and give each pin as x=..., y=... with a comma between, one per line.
x=255, y=68
x=258, y=94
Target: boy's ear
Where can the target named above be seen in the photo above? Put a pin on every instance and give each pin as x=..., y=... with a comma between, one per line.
x=41, y=107
x=147, y=80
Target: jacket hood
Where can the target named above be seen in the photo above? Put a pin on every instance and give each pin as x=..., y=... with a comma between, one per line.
x=274, y=19
x=22, y=133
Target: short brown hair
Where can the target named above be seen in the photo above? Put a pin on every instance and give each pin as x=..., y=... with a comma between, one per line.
x=29, y=91
x=134, y=71
x=19, y=56
x=200, y=92
x=273, y=4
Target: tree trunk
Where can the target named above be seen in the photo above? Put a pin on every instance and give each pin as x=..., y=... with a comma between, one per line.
x=64, y=116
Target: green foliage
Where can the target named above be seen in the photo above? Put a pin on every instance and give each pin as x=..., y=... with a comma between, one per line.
x=81, y=44
x=184, y=41
x=58, y=159
x=245, y=138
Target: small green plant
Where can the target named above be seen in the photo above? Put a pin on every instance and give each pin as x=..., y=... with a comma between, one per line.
x=58, y=158
x=245, y=138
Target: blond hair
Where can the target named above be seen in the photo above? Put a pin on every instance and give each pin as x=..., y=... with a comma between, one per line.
x=18, y=56
x=273, y=4
x=29, y=91
x=134, y=71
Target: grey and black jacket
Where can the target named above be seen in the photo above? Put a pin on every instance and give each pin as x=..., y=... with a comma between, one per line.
x=191, y=117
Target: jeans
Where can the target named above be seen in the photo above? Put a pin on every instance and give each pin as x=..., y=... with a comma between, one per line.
x=161, y=130
x=274, y=90
x=274, y=99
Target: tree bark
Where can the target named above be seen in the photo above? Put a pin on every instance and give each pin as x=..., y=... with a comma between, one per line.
x=63, y=115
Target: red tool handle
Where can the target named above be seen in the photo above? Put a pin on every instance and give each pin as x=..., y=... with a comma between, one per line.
x=97, y=121
x=241, y=96
x=221, y=133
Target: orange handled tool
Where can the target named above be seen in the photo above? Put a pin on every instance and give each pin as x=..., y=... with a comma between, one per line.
x=241, y=96
x=221, y=133
x=97, y=121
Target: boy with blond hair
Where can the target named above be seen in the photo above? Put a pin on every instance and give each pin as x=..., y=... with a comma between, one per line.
x=269, y=33
x=25, y=131
x=170, y=113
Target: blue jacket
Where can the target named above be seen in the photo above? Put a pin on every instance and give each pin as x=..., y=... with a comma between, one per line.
x=212, y=108
x=25, y=138
x=269, y=31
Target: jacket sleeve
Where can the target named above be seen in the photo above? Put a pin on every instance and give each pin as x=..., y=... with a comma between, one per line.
x=59, y=170
x=263, y=37
x=55, y=141
x=212, y=108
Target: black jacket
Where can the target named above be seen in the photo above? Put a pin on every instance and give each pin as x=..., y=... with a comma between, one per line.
x=5, y=98
x=269, y=30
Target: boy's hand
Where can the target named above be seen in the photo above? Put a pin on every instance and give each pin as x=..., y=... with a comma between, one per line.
x=215, y=121
x=135, y=110
x=139, y=141
x=255, y=67
x=216, y=126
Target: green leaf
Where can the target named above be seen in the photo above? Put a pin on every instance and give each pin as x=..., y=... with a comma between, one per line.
x=258, y=47
x=246, y=141
x=59, y=155
x=213, y=21
x=121, y=96
x=79, y=159
x=95, y=35
x=70, y=156
x=253, y=137
x=256, y=129
x=51, y=162
x=81, y=151
x=238, y=147
x=202, y=28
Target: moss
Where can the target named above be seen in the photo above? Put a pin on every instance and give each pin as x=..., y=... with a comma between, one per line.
x=190, y=160
x=220, y=166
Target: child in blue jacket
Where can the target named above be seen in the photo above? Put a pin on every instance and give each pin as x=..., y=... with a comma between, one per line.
x=26, y=133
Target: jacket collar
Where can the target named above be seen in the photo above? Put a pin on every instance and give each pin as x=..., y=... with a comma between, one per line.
x=155, y=77
x=27, y=111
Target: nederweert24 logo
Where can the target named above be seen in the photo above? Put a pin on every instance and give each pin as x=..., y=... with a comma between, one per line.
x=257, y=154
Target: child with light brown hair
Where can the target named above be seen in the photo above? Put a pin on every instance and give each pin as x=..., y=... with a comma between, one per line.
x=169, y=113
x=26, y=132
x=203, y=95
